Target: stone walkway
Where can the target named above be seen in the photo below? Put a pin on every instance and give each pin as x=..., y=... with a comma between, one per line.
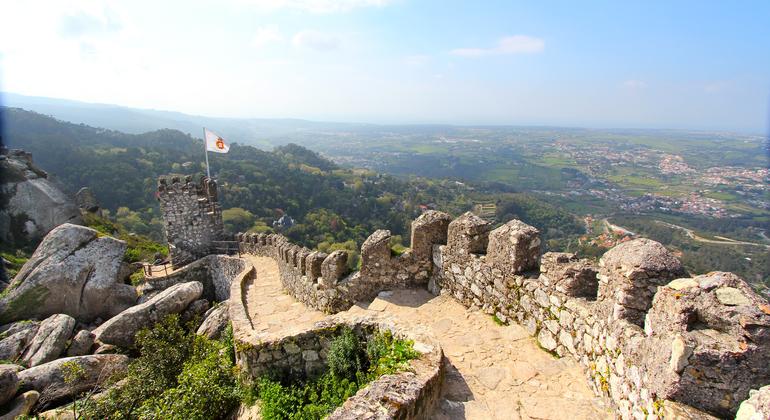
x=493, y=372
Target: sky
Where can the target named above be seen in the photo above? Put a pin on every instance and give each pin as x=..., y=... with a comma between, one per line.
x=702, y=65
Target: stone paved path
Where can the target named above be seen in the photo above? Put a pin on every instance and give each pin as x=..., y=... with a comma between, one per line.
x=493, y=372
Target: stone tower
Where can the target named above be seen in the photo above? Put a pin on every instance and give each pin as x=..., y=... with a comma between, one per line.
x=192, y=217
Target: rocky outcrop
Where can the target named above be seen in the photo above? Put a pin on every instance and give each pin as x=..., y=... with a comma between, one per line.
x=121, y=329
x=215, y=321
x=17, y=336
x=48, y=379
x=19, y=406
x=197, y=308
x=50, y=340
x=81, y=344
x=9, y=384
x=87, y=201
x=34, y=203
x=74, y=272
x=757, y=406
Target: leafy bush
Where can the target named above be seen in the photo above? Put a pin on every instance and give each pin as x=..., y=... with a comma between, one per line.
x=347, y=356
x=389, y=355
x=179, y=375
x=285, y=395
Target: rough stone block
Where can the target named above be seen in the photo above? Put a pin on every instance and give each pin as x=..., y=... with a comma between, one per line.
x=313, y=262
x=334, y=268
x=708, y=346
x=630, y=273
x=429, y=229
x=468, y=234
x=375, y=251
x=514, y=247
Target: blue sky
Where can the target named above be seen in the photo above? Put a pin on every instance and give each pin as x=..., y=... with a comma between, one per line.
x=683, y=64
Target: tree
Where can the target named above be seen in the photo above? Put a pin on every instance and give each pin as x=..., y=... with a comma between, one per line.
x=238, y=220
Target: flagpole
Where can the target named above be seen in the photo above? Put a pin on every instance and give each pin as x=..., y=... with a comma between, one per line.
x=206, y=149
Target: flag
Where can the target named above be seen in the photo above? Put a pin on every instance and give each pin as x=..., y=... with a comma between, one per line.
x=214, y=143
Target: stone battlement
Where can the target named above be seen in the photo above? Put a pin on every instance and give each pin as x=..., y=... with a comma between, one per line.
x=192, y=217
x=644, y=331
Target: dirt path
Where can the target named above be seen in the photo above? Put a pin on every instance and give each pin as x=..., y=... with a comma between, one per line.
x=493, y=372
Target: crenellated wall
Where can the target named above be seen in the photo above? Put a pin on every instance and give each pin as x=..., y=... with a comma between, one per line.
x=324, y=282
x=644, y=331
x=192, y=218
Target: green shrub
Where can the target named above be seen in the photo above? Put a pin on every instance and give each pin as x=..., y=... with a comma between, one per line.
x=388, y=355
x=179, y=375
x=205, y=390
x=347, y=356
x=17, y=260
x=287, y=396
x=138, y=279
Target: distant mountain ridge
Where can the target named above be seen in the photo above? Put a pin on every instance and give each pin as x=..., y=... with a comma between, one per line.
x=247, y=131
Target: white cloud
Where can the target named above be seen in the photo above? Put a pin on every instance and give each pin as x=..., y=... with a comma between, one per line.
x=632, y=84
x=506, y=45
x=267, y=34
x=438, y=76
x=416, y=60
x=316, y=6
x=302, y=79
x=314, y=40
x=450, y=65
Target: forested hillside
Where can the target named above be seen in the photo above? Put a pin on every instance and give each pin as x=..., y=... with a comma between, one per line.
x=333, y=208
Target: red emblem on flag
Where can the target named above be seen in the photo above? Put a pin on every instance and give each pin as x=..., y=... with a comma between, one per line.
x=220, y=144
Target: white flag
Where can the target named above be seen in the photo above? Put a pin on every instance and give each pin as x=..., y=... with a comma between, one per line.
x=214, y=143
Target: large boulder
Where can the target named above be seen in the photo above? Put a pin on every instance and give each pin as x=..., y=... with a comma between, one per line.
x=73, y=271
x=81, y=344
x=197, y=308
x=9, y=384
x=87, y=201
x=121, y=329
x=215, y=321
x=17, y=336
x=48, y=379
x=50, y=340
x=19, y=406
x=35, y=202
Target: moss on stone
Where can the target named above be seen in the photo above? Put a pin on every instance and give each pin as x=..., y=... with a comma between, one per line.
x=24, y=304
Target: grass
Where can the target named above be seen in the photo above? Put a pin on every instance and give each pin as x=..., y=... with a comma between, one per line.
x=637, y=180
x=427, y=149
x=721, y=196
x=510, y=175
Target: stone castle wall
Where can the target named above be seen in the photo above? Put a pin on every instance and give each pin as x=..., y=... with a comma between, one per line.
x=324, y=282
x=192, y=218
x=214, y=272
x=644, y=331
